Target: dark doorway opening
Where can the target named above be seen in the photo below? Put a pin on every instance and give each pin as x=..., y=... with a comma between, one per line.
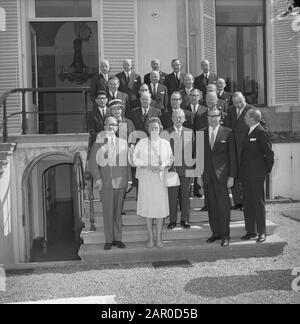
x=58, y=242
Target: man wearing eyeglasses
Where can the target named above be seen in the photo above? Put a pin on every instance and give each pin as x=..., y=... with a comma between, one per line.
x=220, y=169
x=111, y=171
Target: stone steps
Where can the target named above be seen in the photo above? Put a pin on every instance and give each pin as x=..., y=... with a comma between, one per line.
x=138, y=233
x=132, y=219
x=176, y=250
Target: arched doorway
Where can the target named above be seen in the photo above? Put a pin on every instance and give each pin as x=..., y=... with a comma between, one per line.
x=52, y=208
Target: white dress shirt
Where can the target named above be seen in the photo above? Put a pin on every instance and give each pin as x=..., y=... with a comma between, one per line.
x=252, y=128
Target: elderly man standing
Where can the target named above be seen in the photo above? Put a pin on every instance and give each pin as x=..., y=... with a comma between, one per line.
x=182, y=143
x=111, y=171
x=175, y=80
x=235, y=120
x=130, y=83
x=176, y=101
x=155, y=64
x=188, y=86
x=114, y=93
x=159, y=92
x=257, y=160
x=220, y=169
x=222, y=94
x=141, y=115
x=100, y=82
x=206, y=78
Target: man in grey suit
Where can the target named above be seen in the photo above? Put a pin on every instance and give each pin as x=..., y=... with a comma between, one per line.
x=111, y=171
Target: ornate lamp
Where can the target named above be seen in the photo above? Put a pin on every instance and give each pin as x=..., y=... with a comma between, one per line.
x=78, y=72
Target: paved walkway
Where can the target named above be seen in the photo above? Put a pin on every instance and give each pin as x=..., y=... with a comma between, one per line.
x=256, y=280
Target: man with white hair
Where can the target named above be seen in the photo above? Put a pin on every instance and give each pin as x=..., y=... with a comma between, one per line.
x=141, y=115
x=130, y=83
x=188, y=87
x=222, y=94
x=257, y=160
x=207, y=77
x=159, y=92
x=155, y=64
x=100, y=82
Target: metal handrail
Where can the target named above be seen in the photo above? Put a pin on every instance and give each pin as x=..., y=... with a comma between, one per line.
x=23, y=112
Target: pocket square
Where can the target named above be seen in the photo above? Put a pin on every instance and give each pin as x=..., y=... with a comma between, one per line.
x=253, y=139
x=162, y=92
x=223, y=142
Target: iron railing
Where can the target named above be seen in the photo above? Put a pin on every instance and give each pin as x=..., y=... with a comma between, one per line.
x=3, y=105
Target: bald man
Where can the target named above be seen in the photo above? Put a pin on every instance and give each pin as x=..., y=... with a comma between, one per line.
x=130, y=83
x=155, y=65
x=207, y=77
x=159, y=92
x=257, y=160
x=222, y=94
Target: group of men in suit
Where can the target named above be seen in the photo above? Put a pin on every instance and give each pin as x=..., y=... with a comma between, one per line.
x=185, y=104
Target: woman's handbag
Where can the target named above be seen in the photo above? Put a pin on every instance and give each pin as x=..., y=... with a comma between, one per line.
x=172, y=179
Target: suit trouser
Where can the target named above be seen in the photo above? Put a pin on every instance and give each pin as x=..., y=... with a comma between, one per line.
x=237, y=192
x=112, y=200
x=218, y=207
x=254, y=206
x=180, y=194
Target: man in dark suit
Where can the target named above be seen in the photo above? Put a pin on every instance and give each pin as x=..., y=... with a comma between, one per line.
x=175, y=80
x=114, y=93
x=140, y=116
x=166, y=118
x=211, y=102
x=110, y=169
x=159, y=92
x=96, y=118
x=155, y=64
x=188, y=86
x=221, y=104
x=220, y=169
x=235, y=120
x=257, y=161
x=222, y=94
x=100, y=82
x=130, y=83
x=182, y=143
x=206, y=78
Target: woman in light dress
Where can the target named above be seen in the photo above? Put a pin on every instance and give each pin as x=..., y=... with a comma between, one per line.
x=152, y=157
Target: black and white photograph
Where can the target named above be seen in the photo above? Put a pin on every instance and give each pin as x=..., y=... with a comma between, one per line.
x=149, y=155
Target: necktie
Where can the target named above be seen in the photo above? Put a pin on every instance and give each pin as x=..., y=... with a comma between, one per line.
x=114, y=95
x=194, y=109
x=154, y=90
x=127, y=77
x=103, y=112
x=213, y=138
x=239, y=113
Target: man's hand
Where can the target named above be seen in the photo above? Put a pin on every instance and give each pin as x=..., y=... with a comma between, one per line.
x=230, y=182
x=99, y=183
x=200, y=181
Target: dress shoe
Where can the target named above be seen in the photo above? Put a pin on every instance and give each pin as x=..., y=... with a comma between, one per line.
x=261, y=238
x=119, y=244
x=213, y=239
x=225, y=242
x=204, y=208
x=198, y=195
x=249, y=236
x=237, y=207
x=123, y=213
x=185, y=225
x=107, y=246
x=171, y=225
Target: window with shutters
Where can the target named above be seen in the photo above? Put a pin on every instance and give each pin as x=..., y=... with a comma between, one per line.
x=241, y=47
